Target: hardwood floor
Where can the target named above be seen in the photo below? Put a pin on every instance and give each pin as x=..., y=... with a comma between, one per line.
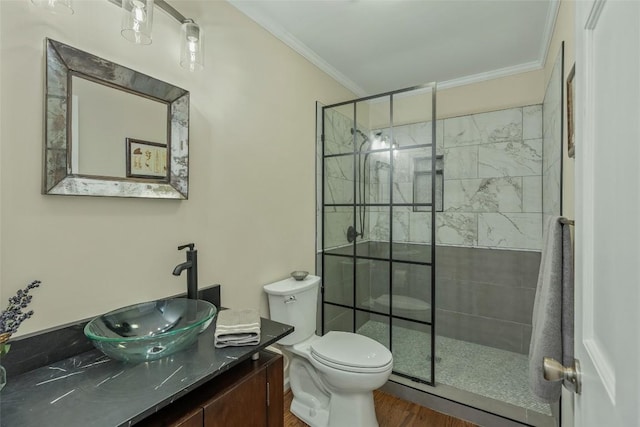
x=391, y=412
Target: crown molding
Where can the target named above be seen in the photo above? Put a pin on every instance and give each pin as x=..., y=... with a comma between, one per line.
x=549, y=27
x=490, y=75
x=295, y=44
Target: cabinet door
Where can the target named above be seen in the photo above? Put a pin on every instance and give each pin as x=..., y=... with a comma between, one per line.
x=276, y=394
x=243, y=405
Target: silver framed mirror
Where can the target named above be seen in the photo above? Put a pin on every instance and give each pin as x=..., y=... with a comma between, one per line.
x=112, y=131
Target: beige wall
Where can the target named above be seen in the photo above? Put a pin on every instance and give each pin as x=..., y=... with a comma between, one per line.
x=251, y=201
x=516, y=90
x=500, y=93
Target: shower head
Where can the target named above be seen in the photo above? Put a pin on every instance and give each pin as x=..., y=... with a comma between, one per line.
x=359, y=132
x=377, y=134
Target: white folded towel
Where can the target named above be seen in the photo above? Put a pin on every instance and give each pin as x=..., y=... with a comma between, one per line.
x=237, y=328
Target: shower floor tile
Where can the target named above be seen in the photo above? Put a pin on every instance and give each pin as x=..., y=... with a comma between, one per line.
x=485, y=371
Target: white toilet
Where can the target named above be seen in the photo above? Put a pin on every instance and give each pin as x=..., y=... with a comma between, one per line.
x=332, y=377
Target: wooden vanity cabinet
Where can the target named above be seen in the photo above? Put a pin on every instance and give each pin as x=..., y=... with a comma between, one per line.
x=249, y=394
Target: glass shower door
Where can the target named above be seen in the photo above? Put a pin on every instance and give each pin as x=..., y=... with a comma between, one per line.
x=377, y=215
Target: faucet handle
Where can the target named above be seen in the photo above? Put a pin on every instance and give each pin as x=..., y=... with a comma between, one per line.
x=188, y=245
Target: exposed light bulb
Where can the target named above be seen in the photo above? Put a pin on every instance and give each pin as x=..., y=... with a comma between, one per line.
x=191, y=55
x=137, y=11
x=137, y=20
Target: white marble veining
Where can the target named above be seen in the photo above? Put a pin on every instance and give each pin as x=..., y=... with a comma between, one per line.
x=552, y=141
x=338, y=179
x=337, y=132
x=403, y=192
x=169, y=377
x=378, y=179
x=403, y=163
x=401, y=224
x=496, y=126
x=552, y=115
x=510, y=230
x=336, y=225
x=420, y=227
x=551, y=182
x=412, y=134
x=461, y=162
x=514, y=158
x=532, y=122
x=417, y=134
x=457, y=229
x=532, y=194
x=484, y=195
x=379, y=226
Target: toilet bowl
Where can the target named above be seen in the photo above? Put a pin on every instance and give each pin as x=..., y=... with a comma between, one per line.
x=332, y=377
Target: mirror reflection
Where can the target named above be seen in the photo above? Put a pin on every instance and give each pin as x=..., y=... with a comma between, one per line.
x=103, y=121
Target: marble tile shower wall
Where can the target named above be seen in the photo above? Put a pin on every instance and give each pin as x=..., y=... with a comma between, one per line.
x=339, y=177
x=492, y=182
x=493, y=167
x=552, y=143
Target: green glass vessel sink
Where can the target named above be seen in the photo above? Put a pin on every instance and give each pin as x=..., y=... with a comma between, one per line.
x=150, y=330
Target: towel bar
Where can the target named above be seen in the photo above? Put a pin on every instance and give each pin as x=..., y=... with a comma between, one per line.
x=566, y=221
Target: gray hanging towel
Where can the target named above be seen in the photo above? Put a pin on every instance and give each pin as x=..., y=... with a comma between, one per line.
x=552, y=334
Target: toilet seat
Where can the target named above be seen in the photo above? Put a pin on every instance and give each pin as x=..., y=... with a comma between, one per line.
x=351, y=352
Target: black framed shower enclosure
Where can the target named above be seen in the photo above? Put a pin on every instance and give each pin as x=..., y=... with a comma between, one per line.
x=377, y=222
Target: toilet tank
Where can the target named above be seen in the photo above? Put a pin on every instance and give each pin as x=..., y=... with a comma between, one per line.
x=294, y=302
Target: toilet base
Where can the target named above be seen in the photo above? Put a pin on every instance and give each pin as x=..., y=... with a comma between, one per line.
x=353, y=410
x=315, y=417
x=320, y=405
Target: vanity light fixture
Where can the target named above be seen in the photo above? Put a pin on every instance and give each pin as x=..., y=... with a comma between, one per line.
x=191, y=46
x=137, y=20
x=62, y=7
x=137, y=23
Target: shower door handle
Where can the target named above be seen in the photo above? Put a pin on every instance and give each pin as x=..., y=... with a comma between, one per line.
x=555, y=371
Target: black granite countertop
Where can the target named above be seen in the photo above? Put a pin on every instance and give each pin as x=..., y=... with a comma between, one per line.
x=90, y=389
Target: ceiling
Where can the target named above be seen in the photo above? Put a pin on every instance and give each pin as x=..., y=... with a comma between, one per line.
x=376, y=46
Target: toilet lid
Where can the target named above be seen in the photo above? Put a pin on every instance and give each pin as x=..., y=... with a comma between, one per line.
x=348, y=350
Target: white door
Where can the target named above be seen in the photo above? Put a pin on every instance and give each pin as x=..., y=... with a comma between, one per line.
x=608, y=212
